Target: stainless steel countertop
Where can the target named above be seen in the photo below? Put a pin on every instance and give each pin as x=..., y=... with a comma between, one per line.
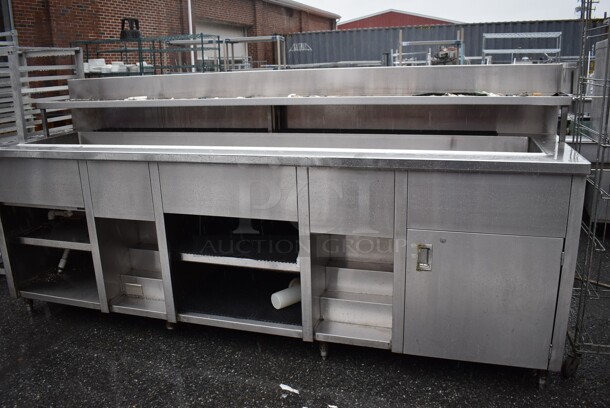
x=555, y=158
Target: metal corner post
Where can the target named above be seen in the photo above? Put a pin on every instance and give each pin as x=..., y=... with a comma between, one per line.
x=13, y=61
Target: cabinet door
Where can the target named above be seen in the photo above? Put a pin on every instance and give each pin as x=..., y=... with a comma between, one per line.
x=481, y=297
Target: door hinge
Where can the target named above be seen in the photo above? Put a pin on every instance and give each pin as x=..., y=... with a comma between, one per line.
x=563, y=258
x=550, y=351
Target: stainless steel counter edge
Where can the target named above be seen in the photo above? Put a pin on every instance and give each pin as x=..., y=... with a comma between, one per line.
x=312, y=100
x=564, y=160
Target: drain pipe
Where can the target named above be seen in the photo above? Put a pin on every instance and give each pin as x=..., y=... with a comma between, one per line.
x=63, y=261
x=190, y=11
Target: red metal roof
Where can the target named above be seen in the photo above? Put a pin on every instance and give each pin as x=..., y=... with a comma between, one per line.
x=392, y=18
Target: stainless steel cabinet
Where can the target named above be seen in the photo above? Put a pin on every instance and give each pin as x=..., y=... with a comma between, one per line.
x=481, y=297
x=443, y=245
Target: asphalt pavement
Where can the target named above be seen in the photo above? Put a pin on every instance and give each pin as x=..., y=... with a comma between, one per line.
x=67, y=356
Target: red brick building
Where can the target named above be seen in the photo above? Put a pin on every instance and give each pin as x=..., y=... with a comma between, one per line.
x=392, y=18
x=59, y=22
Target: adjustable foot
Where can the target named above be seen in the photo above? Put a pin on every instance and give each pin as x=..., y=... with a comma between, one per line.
x=324, y=350
x=29, y=305
x=543, y=376
x=570, y=365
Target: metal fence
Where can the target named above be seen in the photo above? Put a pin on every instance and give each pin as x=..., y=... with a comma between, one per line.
x=372, y=44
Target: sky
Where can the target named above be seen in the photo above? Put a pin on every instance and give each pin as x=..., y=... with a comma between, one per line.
x=467, y=11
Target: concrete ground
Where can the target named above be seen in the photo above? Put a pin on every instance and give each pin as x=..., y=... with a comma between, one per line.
x=66, y=356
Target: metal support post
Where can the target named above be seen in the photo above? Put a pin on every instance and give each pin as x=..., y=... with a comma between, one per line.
x=400, y=48
x=13, y=63
x=78, y=62
x=279, y=52
x=563, y=124
x=226, y=57
x=45, y=122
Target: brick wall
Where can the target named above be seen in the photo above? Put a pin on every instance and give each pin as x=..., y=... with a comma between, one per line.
x=33, y=22
x=238, y=12
x=313, y=22
x=60, y=22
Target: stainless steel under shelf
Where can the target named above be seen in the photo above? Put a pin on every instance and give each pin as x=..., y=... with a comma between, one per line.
x=234, y=242
x=226, y=322
x=232, y=297
x=358, y=308
x=73, y=289
x=62, y=235
x=241, y=262
x=139, y=307
x=357, y=299
x=46, y=227
x=354, y=334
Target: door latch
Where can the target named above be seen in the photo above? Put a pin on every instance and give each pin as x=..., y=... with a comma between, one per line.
x=424, y=257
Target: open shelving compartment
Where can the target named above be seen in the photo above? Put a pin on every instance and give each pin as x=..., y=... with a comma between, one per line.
x=352, y=285
x=224, y=271
x=51, y=255
x=132, y=269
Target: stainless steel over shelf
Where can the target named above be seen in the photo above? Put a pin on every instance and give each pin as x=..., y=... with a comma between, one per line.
x=316, y=100
x=375, y=81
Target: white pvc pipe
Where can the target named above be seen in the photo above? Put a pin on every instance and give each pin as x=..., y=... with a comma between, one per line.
x=190, y=12
x=52, y=214
x=63, y=261
x=287, y=297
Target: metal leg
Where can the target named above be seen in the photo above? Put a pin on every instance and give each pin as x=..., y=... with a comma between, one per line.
x=563, y=124
x=324, y=350
x=543, y=376
x=29, y=305
x=45, y=123
x=570, y=365
x=170, y=326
